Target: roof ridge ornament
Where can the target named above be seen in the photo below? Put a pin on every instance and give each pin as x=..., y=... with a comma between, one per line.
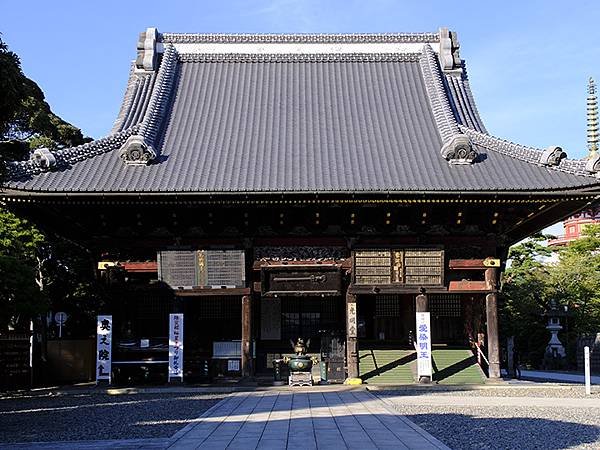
x=449, y=50
x=552, y=156
x=592, y=164
x=457, y=147
x=146, y=50
x=44, y=158
x=136, y=151
x=139, y=149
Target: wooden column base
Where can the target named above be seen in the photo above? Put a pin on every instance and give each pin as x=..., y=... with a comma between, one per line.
x=246, y=336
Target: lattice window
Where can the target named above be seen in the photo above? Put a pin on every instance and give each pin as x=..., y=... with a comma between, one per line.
x=387, y=306
x=445, y=305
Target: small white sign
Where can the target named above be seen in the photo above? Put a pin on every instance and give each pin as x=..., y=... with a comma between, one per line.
x=103, y=348
x=144, y=343
x=175, y=346
x=423, y=345
x=61, y=317
x=233, y=365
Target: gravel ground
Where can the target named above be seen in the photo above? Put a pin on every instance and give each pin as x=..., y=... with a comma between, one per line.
x=501, y=427
x=96, y=416
x=525, y=390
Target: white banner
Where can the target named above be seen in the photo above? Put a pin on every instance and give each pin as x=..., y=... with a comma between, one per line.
x=423, y=345
x=103, y=348
x=175, y=346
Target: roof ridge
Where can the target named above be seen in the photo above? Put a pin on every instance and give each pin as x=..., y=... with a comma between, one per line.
x=532, y=155
x=68, y=156
x=462, y=99
x=274, y=38
x=135, y=100
x=299, y=57
x=456, y=147
x=146, y=130
x=139, y=149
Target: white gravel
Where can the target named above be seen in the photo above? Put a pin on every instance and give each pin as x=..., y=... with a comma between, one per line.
x=502, y=426
x=98, y=416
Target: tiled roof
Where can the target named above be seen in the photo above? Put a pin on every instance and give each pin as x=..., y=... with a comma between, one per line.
x=364, y=121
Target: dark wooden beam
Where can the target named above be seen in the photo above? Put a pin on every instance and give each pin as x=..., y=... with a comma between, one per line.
x=351, y=336
x=491, y=308
x=198, y=292
x=246, y=335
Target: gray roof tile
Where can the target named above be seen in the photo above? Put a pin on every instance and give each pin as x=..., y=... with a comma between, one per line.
x=320, y=123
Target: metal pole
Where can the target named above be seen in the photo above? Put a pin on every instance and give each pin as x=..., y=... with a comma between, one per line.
x=586, y=361
x=31, y=352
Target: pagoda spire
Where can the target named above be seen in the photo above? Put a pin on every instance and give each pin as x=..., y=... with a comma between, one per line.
x=592, y=118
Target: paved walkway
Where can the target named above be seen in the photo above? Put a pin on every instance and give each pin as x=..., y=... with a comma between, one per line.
x=557, y=376
x=306, y=420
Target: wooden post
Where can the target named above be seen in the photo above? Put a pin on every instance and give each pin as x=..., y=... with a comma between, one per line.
x=246, y=336
x=422, y=305
x=491, y=308
x=351, y=336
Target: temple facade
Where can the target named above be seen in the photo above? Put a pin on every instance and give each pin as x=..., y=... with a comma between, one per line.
x=317, y=186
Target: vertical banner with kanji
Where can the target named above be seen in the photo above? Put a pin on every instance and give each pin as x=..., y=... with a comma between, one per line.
x=103, y=348
x=175, y=346
x=423, y=345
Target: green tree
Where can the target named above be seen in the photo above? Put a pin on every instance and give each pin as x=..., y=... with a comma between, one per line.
x=26, y=120
x=574, y=282
x=571, y=281
x=20, y=271
x=37, y=271
x=525, y=298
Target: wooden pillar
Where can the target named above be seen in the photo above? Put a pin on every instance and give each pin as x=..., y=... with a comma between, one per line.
x=491, y=309
x=422, y=305
x=246, y=336
x=351, y=336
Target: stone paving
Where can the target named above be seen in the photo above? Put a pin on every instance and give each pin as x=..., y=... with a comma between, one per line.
x=307, y=420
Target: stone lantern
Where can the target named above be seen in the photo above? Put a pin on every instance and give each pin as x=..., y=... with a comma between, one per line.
x=555, y=351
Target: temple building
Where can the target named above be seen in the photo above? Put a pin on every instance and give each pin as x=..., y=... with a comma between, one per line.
x=322, y=186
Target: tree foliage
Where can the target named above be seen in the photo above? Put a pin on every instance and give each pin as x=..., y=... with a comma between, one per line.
x=38, y=271
x=26, y=120
x=20, y=295
x=570, y=279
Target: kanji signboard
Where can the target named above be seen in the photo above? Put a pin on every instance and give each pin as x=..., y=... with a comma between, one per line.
x=103, y=348
x=423, y=345
x=175, y=346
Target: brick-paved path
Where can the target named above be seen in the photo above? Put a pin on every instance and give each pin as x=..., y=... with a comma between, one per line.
x=288, y=419
x=306, y=420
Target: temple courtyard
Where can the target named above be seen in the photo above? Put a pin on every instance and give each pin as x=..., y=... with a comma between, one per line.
x=522, y=415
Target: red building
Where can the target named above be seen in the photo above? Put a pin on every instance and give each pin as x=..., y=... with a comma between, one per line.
x=574, y=226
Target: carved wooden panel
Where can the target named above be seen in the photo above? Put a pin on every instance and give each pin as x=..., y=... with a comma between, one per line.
x=399, y=266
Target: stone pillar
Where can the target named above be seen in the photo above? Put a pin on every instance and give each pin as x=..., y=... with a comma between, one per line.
x=246, y=335
x=422, y=305
x=351, y=336
x=491, y=308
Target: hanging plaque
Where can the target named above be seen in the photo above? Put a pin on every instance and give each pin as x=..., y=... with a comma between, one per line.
x=270, y=319
x=178, y=268
x=416, y=267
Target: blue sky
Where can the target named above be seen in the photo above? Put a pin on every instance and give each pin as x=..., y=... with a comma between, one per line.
x=528, y=61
